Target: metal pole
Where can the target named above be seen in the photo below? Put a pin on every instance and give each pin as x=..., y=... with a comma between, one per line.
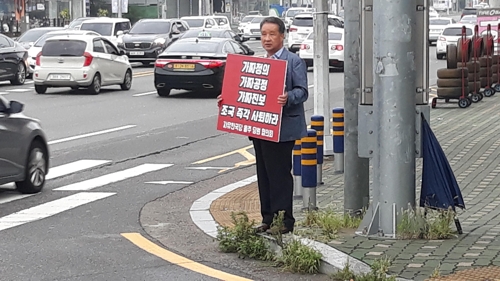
x=322, y=70
x=120, y=3
x=356, y=169
x=394, y=46
x=178, y=9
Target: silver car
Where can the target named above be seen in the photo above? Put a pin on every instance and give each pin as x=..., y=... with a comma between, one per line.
x=24, y=153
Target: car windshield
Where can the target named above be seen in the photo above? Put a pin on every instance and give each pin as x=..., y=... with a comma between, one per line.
x=438, y=22
x=303, y=21
x=469, y=19
x=196, y=33
x=456, y=31
x=105, y=29
x=64, y=48
x=77, y=22
x=195, y=22
x=40, y=42
x=191, y=47
x=150, y=27
x=257, y=20
x=221, y=21
x=33, y=34
x=292, y=13
x=247, y=19
x=331, y=36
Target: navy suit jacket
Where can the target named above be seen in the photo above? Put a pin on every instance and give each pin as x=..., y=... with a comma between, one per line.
x=293, y=122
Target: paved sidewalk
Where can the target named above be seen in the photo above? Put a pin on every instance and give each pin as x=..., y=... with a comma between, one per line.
x=471, y=139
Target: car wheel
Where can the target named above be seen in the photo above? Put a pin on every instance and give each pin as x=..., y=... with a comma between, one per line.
x=165, y=92
x=40, y=89
x=35, y=170
x=127, y=81
x=95, y=87
x=20, y=75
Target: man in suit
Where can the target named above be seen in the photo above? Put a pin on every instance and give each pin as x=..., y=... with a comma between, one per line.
x=274, y=159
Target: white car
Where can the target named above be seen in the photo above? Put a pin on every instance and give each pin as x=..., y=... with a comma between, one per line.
x=222, y=22
x=436, y=27
x=201, y=22
x=81, y=61
x=335, y=47
x=37, y=47
x=291, y=13
x=302, y=25
x=450, y=36
x=246, y=20
x=252, y=29
x=433, y=13
x=109, y=28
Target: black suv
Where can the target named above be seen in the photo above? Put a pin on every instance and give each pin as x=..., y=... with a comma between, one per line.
x=150, y=37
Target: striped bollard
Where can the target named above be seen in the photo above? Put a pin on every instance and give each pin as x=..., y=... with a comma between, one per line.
x=297, y=167
x=318, y=124
x=338, y=139
x=308, y=170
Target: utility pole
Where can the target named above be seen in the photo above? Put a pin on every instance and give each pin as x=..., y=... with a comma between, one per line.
x=356, y=169
x=120, y=3
x=394, y=48
x=322, y=71
x=494, y=3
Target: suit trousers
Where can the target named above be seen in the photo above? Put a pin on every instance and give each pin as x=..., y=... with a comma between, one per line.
x=274, y=177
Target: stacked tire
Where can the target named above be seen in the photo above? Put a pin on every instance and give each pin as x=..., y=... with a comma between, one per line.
x=489, y=67
x=453, y=81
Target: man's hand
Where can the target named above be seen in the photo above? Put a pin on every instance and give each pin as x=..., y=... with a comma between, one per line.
x=283, y=98
x=219, y=100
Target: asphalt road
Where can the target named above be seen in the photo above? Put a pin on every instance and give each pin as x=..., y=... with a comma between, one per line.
x=72, y=230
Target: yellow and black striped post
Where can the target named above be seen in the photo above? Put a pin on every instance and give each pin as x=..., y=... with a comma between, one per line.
x=318, y=124
x=308, y=170
x=297, y=167
x=338, y=139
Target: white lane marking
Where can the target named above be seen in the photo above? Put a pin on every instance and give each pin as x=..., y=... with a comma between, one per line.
x=114, y=177
x=144, y=94
x=73, y=167
x=19, y=90
x=169, y=182
x=9, y=197
x=209, y=168
x=92, y=134
x=50, y=208
x=4, y=93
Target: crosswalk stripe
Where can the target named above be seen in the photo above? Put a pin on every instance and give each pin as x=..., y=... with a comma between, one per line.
x=51, y=208
x=114, y=177
x=9, y=197
x=74, y=167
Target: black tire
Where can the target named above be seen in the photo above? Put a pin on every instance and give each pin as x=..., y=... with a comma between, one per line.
x=471, y=66
x=163, y=92
x=494, y=78
x=451, y=56
x=95, y=87
x=485, y=72
x=439, y=56
x=489, y=46
x=486, y=61
x=35, y=170
x=477, y=46
x=20, y=77
x=474, y=86
x=484, y=81
x=451, y=92
x=494, y=69
x=463, y=103
x=473, y=77
x=443, y=83
x=444, y=73
x=127, y=81
x=40, y=89
x=464, y=51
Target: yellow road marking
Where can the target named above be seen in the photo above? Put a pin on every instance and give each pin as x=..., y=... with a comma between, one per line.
x=239, y=151
x=150, y=247
x=141, y=74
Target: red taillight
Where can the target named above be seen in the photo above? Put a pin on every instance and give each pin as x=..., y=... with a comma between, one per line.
x=211, y=64
x=88, y=59
x=337, y=48
x=38, y=59
x=304, y=47
x=161, y=63
x=293, y=29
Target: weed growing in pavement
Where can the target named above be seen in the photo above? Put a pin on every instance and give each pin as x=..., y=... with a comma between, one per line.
x=378, y=272
x=329, y=222
x=425, y=223
x=241, y=239
x=297, y=257
x=437, y=272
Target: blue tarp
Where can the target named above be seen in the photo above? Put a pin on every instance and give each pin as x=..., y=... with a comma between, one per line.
x=440, y=189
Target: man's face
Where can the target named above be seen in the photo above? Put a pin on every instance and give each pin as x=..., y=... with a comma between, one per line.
x=271, y=38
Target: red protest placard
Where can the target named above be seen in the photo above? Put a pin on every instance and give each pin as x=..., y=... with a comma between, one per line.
x=250, y=93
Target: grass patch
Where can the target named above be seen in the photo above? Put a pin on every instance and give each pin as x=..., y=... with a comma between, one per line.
x=330, y=222
x=379, y=270
x=425, y=223
x=242, y=239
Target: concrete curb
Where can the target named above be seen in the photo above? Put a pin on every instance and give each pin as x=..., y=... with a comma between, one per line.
x=333, y=260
